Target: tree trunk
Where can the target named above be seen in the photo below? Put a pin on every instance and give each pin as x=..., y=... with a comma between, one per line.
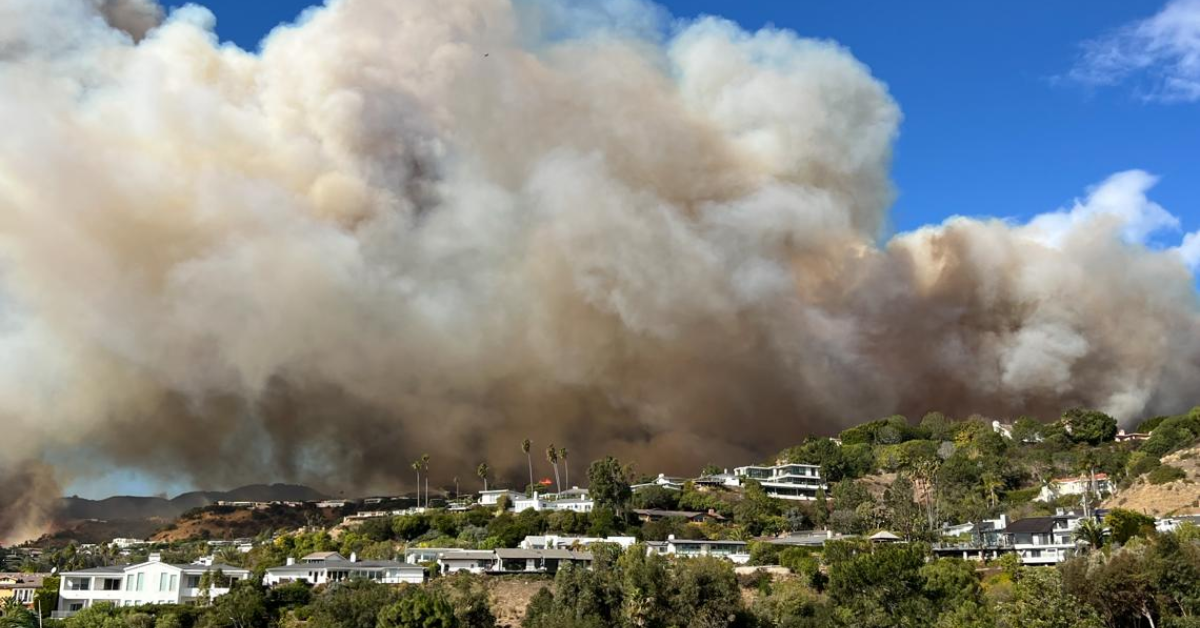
x=529, y=461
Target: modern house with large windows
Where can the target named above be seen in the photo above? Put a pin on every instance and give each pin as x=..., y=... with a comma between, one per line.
x=151, y=582
x=785, y=481
x=330, y=567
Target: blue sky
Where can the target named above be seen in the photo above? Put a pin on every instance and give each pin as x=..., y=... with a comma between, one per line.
x=990, y=125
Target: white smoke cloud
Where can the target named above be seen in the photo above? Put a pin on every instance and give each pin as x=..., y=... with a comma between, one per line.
x=442, y=227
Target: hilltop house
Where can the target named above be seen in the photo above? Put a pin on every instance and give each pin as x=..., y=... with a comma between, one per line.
x=733, y=551
x=20, y=587
x=151, y=582
x=1100, y=487
x=492, y=497
x=662, y=481
x=575, y=499
x=691, y=516
x=328, y=567
x=1043, y=540
x=785, y=481
x=506, y=560
x=554, y=541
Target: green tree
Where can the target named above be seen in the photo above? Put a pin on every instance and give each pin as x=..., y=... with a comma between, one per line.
x=1089, y=426
x=882, y=587
x=821, y=509
x=609, y=484
x=352, y=604
x=1126, y=524
x=1039, y=601
x=46, y=597
x=418, y=608
x=14, y=615
x=243, y=607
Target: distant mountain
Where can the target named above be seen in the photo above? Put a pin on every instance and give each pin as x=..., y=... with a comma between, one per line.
x=129, y=508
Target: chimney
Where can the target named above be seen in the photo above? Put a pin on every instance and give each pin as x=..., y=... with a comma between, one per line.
x=291, y=561
x=829, y=534
x=354, y=557
x=155, y=557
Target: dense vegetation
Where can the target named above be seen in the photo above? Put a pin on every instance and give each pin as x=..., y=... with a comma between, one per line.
x=910, y=478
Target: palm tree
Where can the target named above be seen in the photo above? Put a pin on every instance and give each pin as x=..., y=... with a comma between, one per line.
x=991, y=483
x=552, y=456
x=562, y=455
x=456, y=487
x=482, y=472
x=416, y=466
x=525, y=446
x=425, y=468
x=1091, y=532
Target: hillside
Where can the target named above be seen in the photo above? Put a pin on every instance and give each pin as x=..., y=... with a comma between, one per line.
x=1180, y=496
x=133, y=508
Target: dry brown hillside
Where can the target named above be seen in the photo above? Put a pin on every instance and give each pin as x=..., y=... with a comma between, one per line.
x=1173, y=498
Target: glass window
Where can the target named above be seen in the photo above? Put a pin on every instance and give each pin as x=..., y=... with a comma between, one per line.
x=141, y=582
x=162, y=582
x=174, y=582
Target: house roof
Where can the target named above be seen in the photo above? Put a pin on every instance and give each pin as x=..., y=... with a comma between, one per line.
x=468, y=555
x=96, y=571
x=517, y=554
x=22, y=580
x=324, y=556
x=1082, y=478
x=704, y=542
x=884, y=535
x=1032, y=525
x=345, y=565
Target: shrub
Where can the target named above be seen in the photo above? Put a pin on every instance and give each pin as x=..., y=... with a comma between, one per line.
x=1166, y=473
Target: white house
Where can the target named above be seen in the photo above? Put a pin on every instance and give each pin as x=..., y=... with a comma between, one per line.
x=1076, y=486
x=575, y=499
x=472, y=561
x=669, y=483
x=492, y=497
x=151, y=582
x=554, y=541
x=785, y=481
x=328, y=567
x=734, y=551
x=1043, y=540
x=505, y=560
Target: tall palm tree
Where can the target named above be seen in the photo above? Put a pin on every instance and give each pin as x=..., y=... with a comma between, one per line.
x=425, y=468
x=482, y=472
x=552, y=457
x=456, y=487
x=416, y=466
x=562, y=455
x=992, y=483
x=525, y=447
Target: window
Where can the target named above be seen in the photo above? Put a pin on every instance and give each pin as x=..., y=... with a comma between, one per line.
x=129, y=582
x=75, y=606
x=111, y=584
x=192, y=582
x=141, y=582
x=162, y=582
x=174, y=582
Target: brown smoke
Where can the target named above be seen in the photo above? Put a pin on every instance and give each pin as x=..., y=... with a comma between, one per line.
x=436, y=226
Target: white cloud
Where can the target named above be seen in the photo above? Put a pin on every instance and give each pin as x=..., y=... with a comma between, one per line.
x=1189, y=250
x=1119, y=203
x=1160, y=53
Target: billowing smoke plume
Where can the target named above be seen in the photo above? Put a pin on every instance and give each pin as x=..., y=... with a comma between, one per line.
x=436, y=226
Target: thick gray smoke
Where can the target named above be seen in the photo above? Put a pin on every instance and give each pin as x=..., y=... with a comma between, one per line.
x=444, y=226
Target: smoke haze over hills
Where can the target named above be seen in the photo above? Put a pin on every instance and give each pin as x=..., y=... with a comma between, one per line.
x=442, y=227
